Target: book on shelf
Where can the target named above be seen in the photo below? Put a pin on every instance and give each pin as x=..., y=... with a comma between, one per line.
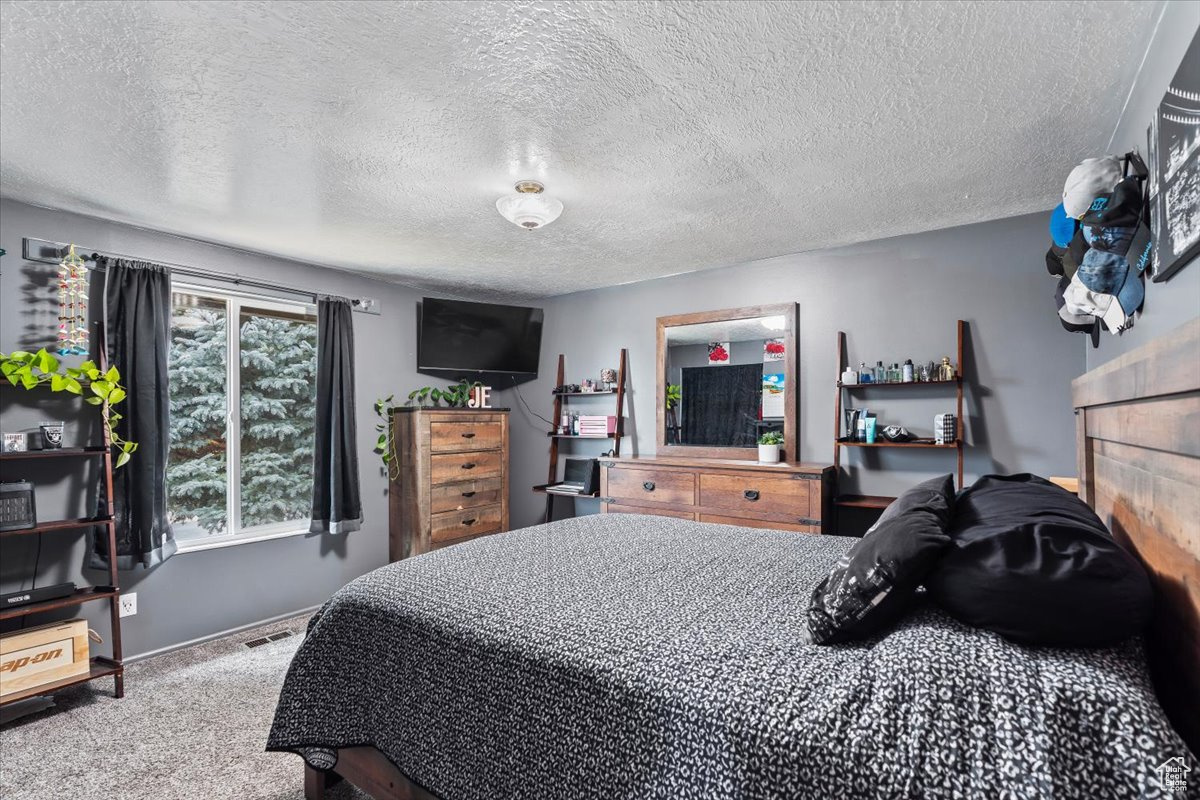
x=597, y=425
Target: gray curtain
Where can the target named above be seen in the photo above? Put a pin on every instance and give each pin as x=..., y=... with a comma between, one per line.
x=337, y=504
x=137, y=312
x=721, y=404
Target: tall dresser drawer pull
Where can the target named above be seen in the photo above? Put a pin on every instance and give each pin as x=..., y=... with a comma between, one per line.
x=750, y=494
x=469, y=465
x=470, y=521
x=468, y=435
x=648, y=486
x=468, y=494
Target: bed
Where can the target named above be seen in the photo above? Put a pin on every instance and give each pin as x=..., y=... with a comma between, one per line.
x=639, y=657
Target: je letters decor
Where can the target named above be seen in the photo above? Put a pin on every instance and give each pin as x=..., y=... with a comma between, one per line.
x=480, y=397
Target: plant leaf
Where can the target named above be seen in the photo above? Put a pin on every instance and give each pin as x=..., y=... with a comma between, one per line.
x=57, y=383
x=116, y=395
x=46, y=362
x=122, y=460
x=112, y=376
x=28, y=380
x=87, y=366
x=73, y=386
x=94, y=401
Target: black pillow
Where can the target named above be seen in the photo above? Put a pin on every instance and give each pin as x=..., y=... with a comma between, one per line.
x=874, y=583
x=923, y=496
x=1034, y=563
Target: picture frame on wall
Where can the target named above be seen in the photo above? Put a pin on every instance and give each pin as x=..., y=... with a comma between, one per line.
x=1173, y=144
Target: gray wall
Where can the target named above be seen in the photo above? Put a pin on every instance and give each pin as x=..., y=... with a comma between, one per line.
x=895, y=298
x=196, y=594
x=1170, y=304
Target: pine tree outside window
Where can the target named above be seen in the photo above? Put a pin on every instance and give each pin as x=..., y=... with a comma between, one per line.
x=242, y=416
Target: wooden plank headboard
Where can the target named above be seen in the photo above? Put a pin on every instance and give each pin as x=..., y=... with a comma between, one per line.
x=1138, y=442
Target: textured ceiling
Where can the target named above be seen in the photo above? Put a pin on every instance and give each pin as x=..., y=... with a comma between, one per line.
x=681, y=136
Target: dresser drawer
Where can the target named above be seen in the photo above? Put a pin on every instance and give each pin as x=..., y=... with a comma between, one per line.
x=750, y=522
x=759, y=494
x=617, y=508
x=455, y=467
x=456, y=437
x=469, y=494
x=451, y=525
x=653, y=486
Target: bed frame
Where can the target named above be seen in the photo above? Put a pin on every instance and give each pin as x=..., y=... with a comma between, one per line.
x=1138, y=440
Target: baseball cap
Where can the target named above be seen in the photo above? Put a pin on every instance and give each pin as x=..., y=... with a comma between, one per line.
x=1093, y=177
x=1070, y=320
x=1062, y=227
x=1065, y=260
x=1107, y=287
x=1120, y=208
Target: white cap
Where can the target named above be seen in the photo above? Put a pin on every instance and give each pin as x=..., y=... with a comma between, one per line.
x=1094, y=177
x=1079, y=299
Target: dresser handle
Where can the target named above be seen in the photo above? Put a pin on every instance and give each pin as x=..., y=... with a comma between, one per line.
x=470, y=521
x=469, y=465
x=468, y=494
x=468, y=436
x=648, y=486
x=750, y=494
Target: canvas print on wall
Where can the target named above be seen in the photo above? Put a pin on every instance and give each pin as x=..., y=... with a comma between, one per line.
x=772, y=396
x=773, y=350
x=718, y=353
x=1174, y=145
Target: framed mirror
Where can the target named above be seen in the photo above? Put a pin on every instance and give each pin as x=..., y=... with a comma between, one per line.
x=724, y=378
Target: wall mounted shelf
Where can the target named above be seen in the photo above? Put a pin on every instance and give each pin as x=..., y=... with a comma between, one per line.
x=844, y=390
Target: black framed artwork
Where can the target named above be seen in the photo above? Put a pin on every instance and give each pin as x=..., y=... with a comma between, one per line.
x=1173, y=141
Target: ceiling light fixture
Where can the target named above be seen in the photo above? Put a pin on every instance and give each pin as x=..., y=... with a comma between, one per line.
x=529, y=207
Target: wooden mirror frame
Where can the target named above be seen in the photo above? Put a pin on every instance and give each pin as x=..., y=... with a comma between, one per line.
x=791, y=430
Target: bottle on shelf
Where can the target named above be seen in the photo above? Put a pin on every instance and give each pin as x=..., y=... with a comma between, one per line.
x=908, y=371
x=946, y=370
x=864, y=374
x=894, y=373
x=849, y=377
x=880, y=372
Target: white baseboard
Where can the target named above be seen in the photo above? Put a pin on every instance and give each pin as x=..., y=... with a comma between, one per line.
x=221, y=634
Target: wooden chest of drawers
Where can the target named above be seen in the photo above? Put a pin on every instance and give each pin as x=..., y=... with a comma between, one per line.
x=450, y=481
x=790, y=497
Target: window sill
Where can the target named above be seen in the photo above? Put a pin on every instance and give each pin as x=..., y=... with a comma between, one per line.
x=197, y=545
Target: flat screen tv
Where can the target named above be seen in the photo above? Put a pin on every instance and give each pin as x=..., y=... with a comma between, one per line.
x=478, y=341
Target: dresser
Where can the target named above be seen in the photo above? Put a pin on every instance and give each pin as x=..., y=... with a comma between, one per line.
x=789, y=497
x=450, y=482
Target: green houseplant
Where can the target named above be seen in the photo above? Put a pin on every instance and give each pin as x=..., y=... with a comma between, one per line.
x=674, y=395
x=454, y=396
x=768, y=447
x=30, y=370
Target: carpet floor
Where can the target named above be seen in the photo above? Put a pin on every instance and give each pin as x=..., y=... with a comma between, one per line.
x=192, y=726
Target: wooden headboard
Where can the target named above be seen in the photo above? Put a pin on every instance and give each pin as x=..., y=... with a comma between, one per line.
x=1138, y=442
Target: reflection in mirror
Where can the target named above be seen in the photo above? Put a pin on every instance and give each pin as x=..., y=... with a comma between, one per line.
x=725, y=381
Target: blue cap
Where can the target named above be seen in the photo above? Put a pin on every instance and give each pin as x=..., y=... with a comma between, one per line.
x=1110, y=274
x=1062, y=227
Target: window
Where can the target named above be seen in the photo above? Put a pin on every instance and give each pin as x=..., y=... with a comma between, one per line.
x=243, y=405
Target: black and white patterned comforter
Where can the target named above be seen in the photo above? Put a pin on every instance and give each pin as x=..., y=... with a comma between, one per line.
x=642, y=657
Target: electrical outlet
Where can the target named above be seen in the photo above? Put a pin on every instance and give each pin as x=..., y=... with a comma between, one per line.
x=129, y=604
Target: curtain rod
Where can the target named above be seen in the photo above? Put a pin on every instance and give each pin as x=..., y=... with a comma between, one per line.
x=49, y=252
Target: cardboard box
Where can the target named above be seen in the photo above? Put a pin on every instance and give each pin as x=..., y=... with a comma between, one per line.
x=43, y=655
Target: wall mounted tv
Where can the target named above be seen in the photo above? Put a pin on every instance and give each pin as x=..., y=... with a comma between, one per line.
x=478, y=341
